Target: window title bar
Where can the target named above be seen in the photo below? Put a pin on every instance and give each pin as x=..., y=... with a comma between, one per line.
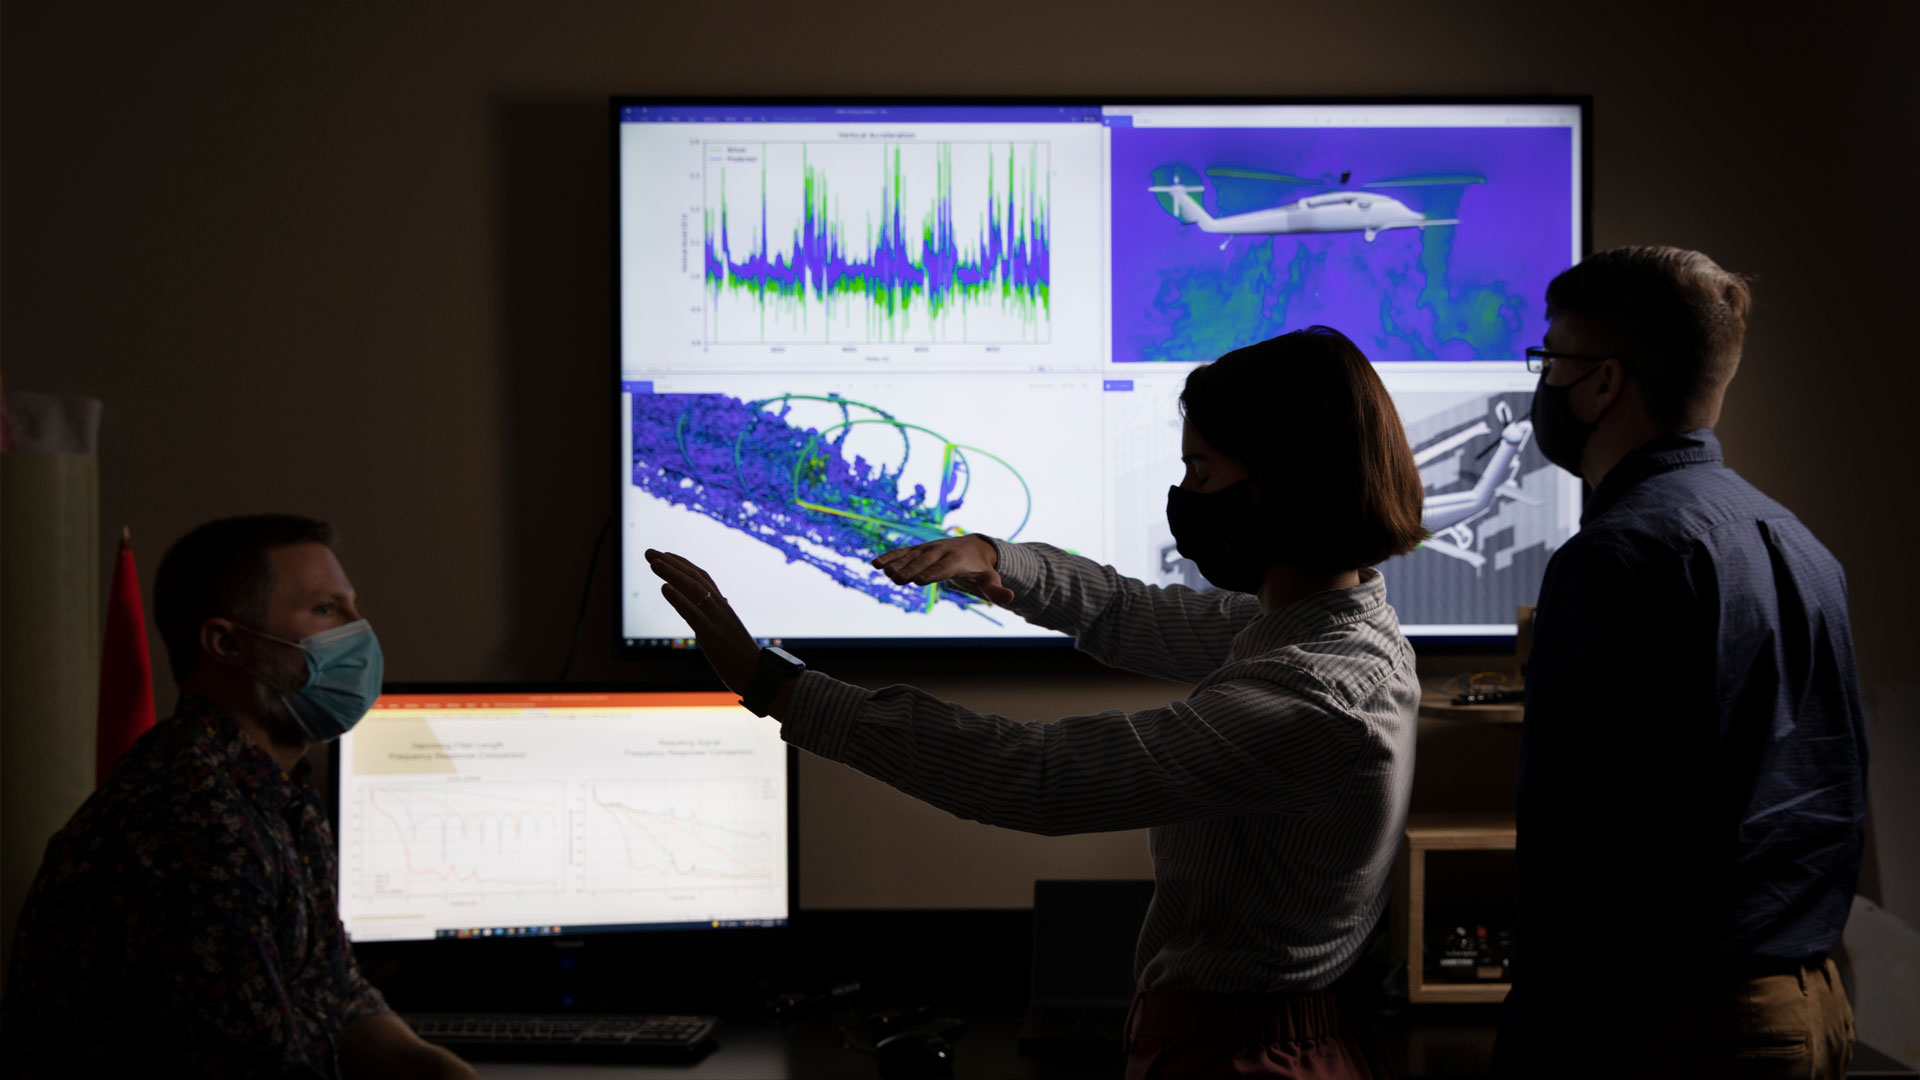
x=1409, y=115
x=775, y=113
x=585, y=699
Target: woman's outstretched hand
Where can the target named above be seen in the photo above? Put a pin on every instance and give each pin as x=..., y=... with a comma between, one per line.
x=968, y=563
x=723, y=639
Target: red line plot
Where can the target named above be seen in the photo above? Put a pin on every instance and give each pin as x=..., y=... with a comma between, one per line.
x=462, y=839
x=683, y=836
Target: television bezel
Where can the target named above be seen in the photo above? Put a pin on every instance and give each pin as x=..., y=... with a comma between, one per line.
x=628, y=650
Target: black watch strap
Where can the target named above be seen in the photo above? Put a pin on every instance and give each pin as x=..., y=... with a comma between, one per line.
x=775, y=665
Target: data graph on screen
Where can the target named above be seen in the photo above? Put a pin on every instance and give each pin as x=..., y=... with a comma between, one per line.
x=829, y=242
x=449, y=840
x=467, y=814
x=685, y=837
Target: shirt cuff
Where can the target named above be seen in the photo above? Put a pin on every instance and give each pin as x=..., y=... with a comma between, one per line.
x=1019, y=568
x=822, y=715
x=369, y=1002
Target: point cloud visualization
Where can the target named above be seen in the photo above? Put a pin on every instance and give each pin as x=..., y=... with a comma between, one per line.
x=751, y=467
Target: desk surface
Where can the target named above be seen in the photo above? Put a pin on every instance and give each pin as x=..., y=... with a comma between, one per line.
x=812, y=1048
x=1448, y=1040
x=766, y=1053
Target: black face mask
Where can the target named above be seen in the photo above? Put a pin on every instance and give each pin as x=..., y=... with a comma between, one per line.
x=1224, y=533
x=1560, y=436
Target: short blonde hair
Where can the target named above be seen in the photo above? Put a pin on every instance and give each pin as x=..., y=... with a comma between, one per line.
x=1679, y=318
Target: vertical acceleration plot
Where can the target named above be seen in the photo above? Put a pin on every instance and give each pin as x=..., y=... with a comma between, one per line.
x=682, y=836
x=810, y=242
x=462, y=839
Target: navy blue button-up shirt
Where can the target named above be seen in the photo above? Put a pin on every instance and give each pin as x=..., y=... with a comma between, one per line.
x=1692, y=783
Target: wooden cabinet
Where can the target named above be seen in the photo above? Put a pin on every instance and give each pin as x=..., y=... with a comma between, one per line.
x=1440, y=832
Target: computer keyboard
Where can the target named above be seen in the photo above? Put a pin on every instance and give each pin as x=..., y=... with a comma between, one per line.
x=568, y=1037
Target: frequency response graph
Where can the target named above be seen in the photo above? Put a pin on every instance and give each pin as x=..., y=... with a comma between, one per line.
x=682, y=836
x=811, y=242
x=462, y=838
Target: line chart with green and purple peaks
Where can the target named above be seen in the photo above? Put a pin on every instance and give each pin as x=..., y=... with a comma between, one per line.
x=821, y=260
x=847, y=328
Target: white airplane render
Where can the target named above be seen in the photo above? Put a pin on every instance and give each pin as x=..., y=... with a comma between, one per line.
x=1364, y=212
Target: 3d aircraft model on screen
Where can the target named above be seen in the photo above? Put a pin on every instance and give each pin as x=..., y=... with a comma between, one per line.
x=1451, y=516
x=1365, y=211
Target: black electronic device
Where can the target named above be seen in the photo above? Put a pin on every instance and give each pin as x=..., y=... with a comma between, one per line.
x=563, y=1037
x=1504, y=696
x=775, y=667
x=894, y=1021
x=914, y=1055
x=1084, y=937
x=1474, y=953
x=795, y=1003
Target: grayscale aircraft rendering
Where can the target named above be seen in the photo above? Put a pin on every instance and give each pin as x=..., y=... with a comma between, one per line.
x=1450, y=517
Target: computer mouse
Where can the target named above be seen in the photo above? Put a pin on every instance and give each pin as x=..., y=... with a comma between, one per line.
x=914, y=1055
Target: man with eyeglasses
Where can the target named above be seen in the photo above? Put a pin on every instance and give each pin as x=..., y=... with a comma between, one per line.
x=1692, y=782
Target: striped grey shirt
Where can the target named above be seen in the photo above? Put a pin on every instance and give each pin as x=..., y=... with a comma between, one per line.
x=1275, y=793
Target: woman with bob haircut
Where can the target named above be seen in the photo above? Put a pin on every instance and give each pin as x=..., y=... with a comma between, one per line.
x=1275, y=792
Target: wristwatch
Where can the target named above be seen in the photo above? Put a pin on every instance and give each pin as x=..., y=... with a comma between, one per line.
x=775, y=665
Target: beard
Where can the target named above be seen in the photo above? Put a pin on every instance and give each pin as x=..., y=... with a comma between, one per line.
x=273, y=677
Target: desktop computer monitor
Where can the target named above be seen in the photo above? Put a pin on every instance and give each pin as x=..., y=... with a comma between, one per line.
x=848, y=326
x=525, y=812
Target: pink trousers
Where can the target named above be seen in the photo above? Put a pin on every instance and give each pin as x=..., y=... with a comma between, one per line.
x=1174, y=1034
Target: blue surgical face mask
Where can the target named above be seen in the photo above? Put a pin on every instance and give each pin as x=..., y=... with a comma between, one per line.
x=344, y=667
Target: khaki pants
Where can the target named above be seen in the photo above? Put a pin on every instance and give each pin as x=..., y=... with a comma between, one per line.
x=1791, y=1026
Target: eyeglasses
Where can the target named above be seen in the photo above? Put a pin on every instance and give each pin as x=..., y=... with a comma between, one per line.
x=1539, y=359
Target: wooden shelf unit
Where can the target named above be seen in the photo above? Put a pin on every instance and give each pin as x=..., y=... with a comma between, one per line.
x=1443, y=832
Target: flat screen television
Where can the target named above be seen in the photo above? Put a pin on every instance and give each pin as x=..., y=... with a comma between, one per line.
x=844, y=326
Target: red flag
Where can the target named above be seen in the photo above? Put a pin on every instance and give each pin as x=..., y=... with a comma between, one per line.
x=126, y=672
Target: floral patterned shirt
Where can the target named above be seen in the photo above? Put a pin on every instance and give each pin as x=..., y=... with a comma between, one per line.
x=184, y=921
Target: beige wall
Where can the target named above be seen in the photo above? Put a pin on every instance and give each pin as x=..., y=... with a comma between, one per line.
x=352, y=260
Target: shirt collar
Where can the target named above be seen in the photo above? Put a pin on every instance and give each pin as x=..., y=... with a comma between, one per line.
x=1311, y=614
x=226, y=747
x=1669, y=452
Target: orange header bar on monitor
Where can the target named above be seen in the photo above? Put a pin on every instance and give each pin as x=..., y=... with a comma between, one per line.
x=582, y=699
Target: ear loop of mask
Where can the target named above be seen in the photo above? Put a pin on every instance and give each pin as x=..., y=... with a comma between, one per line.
x=271, y=684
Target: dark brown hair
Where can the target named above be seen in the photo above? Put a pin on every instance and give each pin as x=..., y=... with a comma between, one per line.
x=222, y=569
x=1311, y=421
x=1677, y=317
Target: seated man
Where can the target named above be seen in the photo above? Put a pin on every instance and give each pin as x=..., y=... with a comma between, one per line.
x=1692, y=783
x=184, y=922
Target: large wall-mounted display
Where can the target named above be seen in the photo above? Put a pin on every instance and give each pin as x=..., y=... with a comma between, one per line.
x=848, y=327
